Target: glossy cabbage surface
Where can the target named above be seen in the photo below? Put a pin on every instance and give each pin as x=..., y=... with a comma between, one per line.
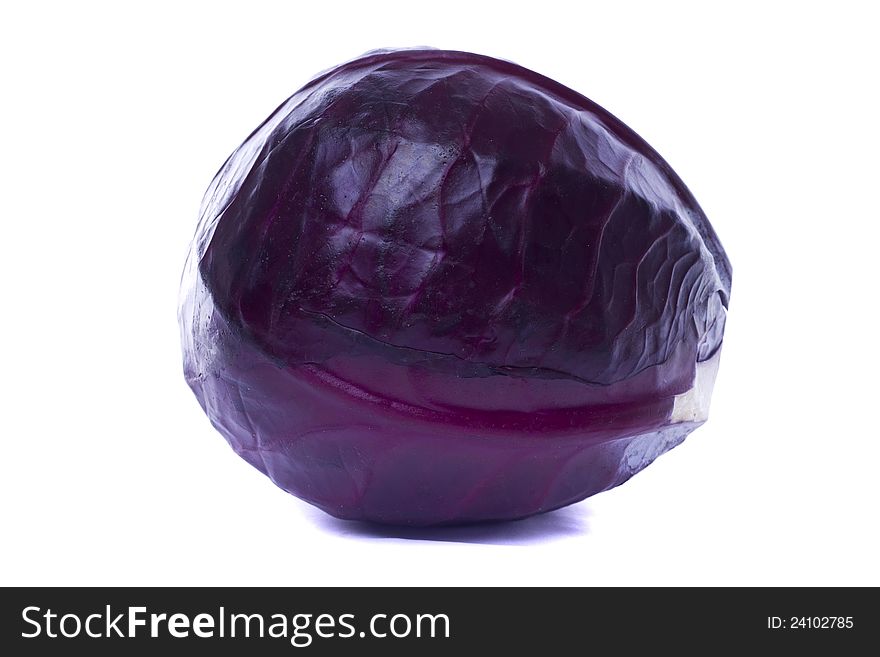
x=435, y=287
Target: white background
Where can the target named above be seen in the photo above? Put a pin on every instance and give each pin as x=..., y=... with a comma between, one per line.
x=114, y=120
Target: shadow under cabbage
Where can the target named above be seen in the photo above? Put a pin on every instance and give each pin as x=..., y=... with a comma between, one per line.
x=563, y=523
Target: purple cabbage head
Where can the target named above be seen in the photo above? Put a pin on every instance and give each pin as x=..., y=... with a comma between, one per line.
x=435, y=287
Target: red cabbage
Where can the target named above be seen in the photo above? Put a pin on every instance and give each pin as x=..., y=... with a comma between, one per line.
x=435, y=287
